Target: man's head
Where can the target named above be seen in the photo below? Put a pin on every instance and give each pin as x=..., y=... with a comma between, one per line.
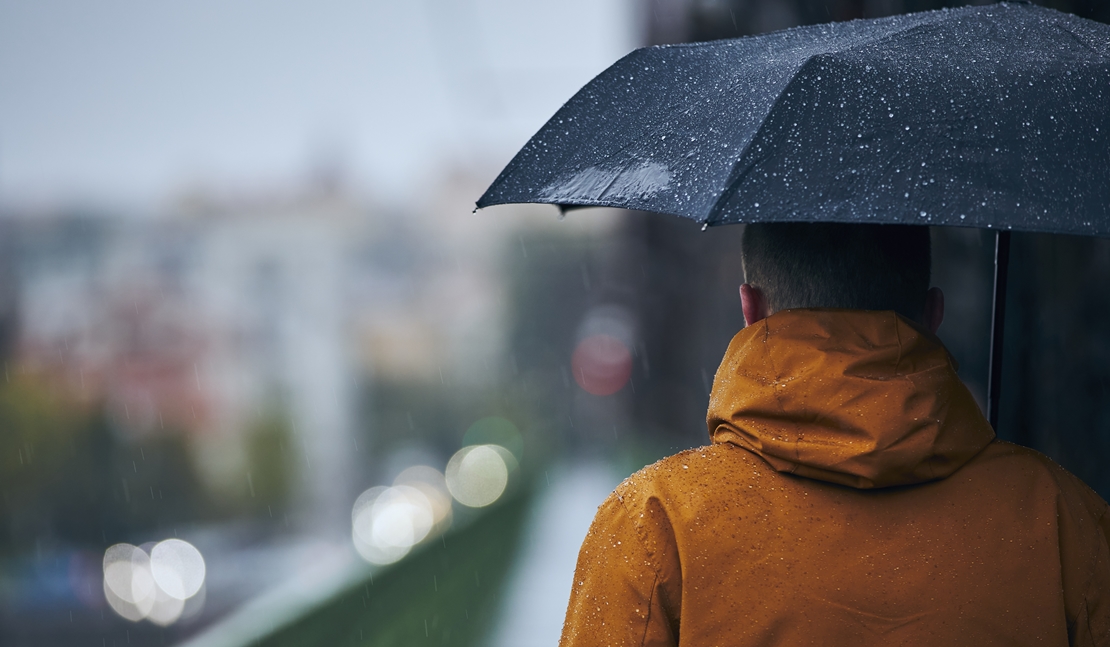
x=833, y=265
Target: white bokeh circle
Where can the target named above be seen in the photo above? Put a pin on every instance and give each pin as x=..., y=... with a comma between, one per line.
x=477, y=475
x=178, y=568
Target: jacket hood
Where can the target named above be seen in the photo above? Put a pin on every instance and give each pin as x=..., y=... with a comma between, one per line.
x=859, y=398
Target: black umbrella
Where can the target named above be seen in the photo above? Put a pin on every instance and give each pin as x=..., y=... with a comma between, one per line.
x=991, y=116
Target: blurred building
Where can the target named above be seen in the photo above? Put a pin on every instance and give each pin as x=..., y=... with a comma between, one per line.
x=201, y=322
x=365, y=331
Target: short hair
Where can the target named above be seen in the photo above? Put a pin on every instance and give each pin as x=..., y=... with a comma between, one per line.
x=836, y=265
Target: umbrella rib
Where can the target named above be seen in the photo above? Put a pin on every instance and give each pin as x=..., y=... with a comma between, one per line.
x=1063, y=27
x=739, y=169
x=745, y=162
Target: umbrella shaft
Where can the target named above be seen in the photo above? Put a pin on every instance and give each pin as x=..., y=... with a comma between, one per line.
x=998, y=320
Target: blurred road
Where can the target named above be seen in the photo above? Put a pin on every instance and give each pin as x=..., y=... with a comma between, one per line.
x=535, y=599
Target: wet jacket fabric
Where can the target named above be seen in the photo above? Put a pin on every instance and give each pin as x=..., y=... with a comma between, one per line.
x=853, y=495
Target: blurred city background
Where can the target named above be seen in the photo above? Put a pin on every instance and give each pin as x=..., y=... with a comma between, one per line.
x=268, y=380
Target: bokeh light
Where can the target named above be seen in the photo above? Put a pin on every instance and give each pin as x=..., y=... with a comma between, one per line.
x=152, y=586
x=478, y=474
x=433, y=485
x=386, y=522
x=601, y=364
x=128, y=582
x=166, y=610
x=178, y=568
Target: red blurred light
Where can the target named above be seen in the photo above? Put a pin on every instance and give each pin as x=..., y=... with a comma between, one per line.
x=601, y=364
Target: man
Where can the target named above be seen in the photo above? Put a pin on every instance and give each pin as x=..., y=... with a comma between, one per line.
x=853, y=493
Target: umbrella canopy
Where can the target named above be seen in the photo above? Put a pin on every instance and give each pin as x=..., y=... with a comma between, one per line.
x=988, y=116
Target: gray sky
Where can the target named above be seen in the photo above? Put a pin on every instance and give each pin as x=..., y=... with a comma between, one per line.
x=131, y=101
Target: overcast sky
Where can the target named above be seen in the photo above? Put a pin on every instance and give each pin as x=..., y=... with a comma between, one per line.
x=132, y=101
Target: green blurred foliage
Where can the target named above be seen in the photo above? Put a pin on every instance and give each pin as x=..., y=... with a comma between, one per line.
x=270, y=469
x=68, y=477
x=44, y=468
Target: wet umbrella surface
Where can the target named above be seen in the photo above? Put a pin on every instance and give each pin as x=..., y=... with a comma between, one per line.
x=992, y=116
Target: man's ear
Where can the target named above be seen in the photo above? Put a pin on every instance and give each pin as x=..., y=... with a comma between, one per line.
x=934, y=309
x=754, y=304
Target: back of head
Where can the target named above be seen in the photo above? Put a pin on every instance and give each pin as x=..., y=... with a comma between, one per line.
x=835, y=265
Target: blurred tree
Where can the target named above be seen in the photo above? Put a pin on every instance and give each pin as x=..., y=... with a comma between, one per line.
x=68, y=478
x=9, y=297
x=36, y=449
x=270, y=469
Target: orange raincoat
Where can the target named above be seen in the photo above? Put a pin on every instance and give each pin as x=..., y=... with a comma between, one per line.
x=853, y=495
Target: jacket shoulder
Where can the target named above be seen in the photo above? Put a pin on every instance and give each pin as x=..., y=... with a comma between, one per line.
x=685, y=474
x=1029, y=463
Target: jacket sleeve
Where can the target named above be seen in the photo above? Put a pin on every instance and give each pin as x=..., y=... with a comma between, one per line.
x=1099, y=607
x=1092, y=624
x=1084, y=528
x=626, y=585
